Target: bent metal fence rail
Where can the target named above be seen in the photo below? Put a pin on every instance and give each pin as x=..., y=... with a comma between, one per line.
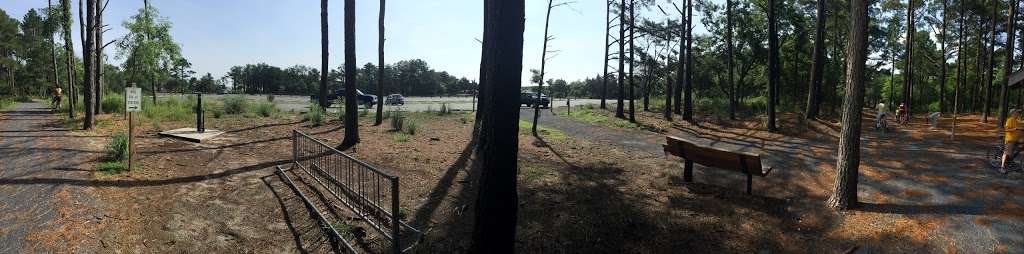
x=367, y=191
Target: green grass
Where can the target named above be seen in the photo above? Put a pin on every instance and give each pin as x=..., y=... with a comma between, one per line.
x=315, y=115
x=168, y=109
x=402, y=137
x=235, y=104
x=7, y=102
x=527, y=128
x=113, y=103
x=600, y=118
x=117, y=147
x=114, y=167
x=531, y=173
x=265, y=109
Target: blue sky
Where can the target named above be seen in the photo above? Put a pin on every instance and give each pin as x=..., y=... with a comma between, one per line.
x=216, y=35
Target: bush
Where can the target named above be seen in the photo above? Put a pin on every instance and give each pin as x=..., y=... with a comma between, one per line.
x=113, y=103
x=402, y=137
x=411, y=128
x=117, y=147
x=397, y=121
x=266, y=109
x=315, y=115
x=444, y=109
x=113, y=167
x=235, y=104
x=169, y=109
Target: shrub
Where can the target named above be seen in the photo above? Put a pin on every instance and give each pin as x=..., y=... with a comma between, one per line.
x=235, y=104
x=117, y=147
x=444, y=109
x=112, y=167
x=113, y=103
x=397, y=121
x=402, y=137
x=170, y=109
x=266, y=109
x=270, y=97
x=411, y=128
x=315, y=115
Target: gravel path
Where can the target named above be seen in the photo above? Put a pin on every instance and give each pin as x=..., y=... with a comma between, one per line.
x=34, y=145
x=904, y=176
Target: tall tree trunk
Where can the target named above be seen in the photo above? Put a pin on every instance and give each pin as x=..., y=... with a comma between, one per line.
x=151, y=79
x=87, y=56
x=942, y=59
x=53, y=48
x=380, y=64
x=632, y=60
x=844, y=195
x=351, y=107
x=688, y=100
x=669, y=91
x=494, y=228
x=607, y=33
x=908, y=75
x=961, y=69
x=622, y=60
x=729, y=54
x=70, y=55
x=818, y=66
x=1004, y=99
x=97, y=101
x=543, y=64
x=324, y=55
x=773, y=64
x=986, y=109
x=681, y=68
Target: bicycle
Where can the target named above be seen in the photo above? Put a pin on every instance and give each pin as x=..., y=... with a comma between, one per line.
x=995, y=158
x=882, y=123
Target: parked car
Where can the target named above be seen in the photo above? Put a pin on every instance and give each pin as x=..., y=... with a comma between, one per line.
x=531, y=98
x=367, y=100
x=395, y=99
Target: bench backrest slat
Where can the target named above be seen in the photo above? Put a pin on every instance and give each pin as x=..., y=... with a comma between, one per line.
x=713, y=157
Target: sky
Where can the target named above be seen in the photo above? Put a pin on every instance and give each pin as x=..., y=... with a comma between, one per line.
x=216, y=35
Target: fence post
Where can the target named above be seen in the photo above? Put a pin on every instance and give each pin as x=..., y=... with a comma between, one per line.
x=295, y=146
x=396, y=220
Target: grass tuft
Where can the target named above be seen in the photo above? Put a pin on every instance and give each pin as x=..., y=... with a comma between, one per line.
x=112, y=167
x=315, y=115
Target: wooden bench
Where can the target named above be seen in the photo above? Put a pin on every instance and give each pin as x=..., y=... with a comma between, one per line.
x=746, y=163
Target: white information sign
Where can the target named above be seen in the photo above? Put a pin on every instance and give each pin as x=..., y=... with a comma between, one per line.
x=133, y=99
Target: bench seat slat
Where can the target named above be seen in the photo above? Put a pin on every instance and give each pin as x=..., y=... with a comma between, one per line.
x=714, y=157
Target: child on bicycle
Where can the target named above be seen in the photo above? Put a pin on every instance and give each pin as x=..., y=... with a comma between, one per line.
x=901, y=113
x=58, y=96
x=1011, y=138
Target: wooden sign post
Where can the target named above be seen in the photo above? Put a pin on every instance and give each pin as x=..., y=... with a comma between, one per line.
x=133, y=103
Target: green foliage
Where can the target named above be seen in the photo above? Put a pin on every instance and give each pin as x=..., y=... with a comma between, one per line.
x=112, y=167
x=527, y=128
x=117, y=147
x=315, y=115
x=397, y=121
x=364, y=112
x=113, y=103
x=149, y=49
x=402, y=137
x=411, y=127
x=235, y=104
x=266, y=109
x=6, y=102
x=168, y=109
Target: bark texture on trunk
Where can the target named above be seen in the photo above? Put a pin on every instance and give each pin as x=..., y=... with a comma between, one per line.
x=1004, y=93
x=844, y=195
x=607, y=33
x=70, y=55
x=632, y=62
x=729, y=54
x=497, y=202
x=908, y=75
x=98, y=100
x=324, y=55
x=622, y=60
x=380, y=64
x=543, y=63
x=87, y=58
x=773, y=64
x=688, y=97
x=989, y=75
x=351, y=106
x=817, y=68
x=942, y=59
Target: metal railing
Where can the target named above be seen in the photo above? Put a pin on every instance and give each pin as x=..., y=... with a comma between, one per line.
x=367, y=191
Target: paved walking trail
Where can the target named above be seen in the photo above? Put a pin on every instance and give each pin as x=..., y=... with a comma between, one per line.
x=905, y=175
x=35, y=145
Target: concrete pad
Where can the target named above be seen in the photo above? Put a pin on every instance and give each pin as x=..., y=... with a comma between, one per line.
x=190, y=134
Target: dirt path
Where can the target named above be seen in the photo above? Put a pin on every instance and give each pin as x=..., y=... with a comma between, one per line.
x=914, y=181
x=34, y=147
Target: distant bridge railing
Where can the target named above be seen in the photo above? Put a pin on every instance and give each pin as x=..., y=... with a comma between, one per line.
x=367, y=191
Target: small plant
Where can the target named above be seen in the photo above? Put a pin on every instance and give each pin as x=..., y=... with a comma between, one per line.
x=315, y=115
x=463, y=120
x=113, y=103
x=444, y=109
x=402, y=137
x=156, y=125
x=117, y=147
x=266, y=109
x=235, y=104
x=364, y=112
x=397, y=121
x=270, y=97
x=411, y=128
x=112, y=167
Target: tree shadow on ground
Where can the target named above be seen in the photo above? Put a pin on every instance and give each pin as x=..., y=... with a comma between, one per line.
x=140, y=183
x=306, y=230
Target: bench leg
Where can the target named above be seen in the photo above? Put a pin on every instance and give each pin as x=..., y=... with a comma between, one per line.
x=688, y=171
x=750, y=182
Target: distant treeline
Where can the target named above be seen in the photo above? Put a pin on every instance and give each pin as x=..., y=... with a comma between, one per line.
x=407, y=77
